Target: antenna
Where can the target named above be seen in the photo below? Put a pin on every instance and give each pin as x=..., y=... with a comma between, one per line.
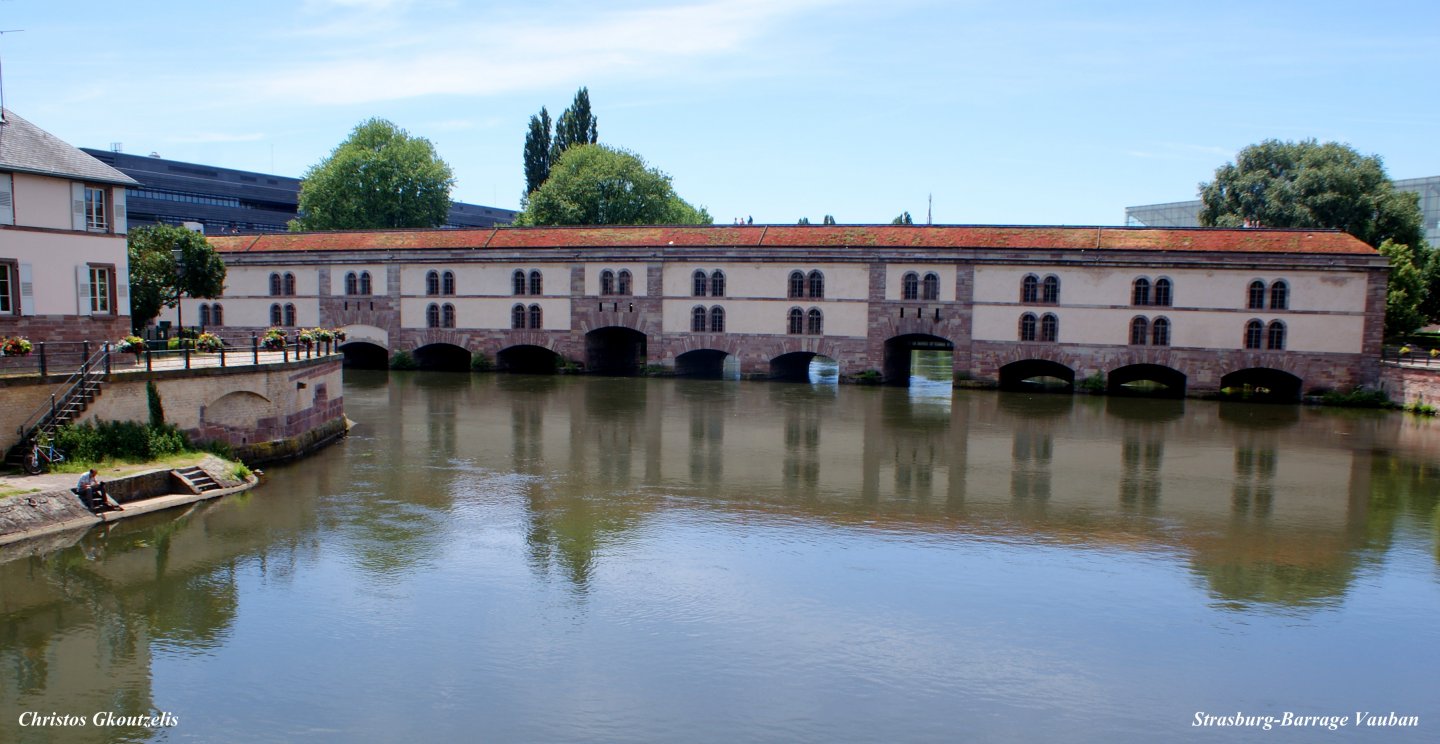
x=2, y=76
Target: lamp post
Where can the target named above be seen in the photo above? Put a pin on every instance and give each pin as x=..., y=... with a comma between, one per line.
x=179, y=257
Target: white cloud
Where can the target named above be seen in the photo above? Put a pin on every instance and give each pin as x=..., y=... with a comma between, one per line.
x=212, y=137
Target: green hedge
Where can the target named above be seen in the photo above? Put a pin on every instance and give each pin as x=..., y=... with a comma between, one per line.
x=120, y=440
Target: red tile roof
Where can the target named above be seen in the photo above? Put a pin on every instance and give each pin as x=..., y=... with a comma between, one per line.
x=820, y=236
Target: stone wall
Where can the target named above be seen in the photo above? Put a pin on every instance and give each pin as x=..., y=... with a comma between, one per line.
x=1411, y=385
x=66, y=328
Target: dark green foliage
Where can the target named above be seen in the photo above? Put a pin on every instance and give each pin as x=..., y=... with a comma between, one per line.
x=380, y=177
x=537, y=152
x=155, y=279
x=1094, y=383
x=403, y=360
x=120, y=440
x=828, y=220
x=903, y=219
x=480, y=362
x=600, y=185
x=1308, y=184
x=157, y=409
x=1406, y=293
x=869, y=377
x=576, y=126
x=1357, y=398
x=803, y=221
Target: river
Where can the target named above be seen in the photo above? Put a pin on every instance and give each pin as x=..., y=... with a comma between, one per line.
x=511, y=558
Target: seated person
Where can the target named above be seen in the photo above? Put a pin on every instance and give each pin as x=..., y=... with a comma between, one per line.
x=92, y=493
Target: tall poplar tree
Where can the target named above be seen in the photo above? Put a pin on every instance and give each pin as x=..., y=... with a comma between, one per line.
x=576, y=126
x=537, y=152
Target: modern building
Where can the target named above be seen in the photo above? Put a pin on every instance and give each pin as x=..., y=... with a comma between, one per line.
x=1187, y=213
x=1195, y=310
x=63, y=266
x=225, y=200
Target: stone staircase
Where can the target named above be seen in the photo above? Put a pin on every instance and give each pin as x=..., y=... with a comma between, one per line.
x=65, y=406
x=196, y=479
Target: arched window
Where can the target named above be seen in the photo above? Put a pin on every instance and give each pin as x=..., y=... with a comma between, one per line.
x=447, y=316
x=697, y=319
x=702, y=283
x=717, y=283
x=535, y=283
x=622, y=284
x=797, y=284
x=816, y=281
x=275, y=287
x=1254, y=334
x=1139, y=331
x=797, y=321
x=289, y=284
x=1279, y=296
x=352, y=283
x=432, y=315
x=1160, y=332
x=1140, y=295
x=930, y=287
x=517, y=281
x=517, y=317
x=1275, y=336
x=365, y=286
x=535, y=317
x=447, y=283
x=1257, y=295
x=432, y=283
x=204, y=315
x=607, y=282
x=910, y=286
x=1050, y=290
x=717, y=319
x=1049, y=327
x=1162, y=292
x=275, y=317
x=217, y=314
x=1027, y=327
x=289, y=314
x=1030, y=288
x=815, y=322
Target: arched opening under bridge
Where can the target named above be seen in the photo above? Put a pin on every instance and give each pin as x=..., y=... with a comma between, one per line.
x=1154, y=380
x=527, y=359
x=1037, y=375
x=1261, y=384
x=365, y=355
x=919, y=355
x=443, y=357
x=805, y=366
x=710, y=364
x=615, y=350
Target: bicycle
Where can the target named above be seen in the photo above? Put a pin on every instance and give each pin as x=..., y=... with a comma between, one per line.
x=41, y=456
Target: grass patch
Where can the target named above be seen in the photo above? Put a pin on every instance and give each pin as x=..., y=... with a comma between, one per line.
x=14, y=491
x=1357, y=398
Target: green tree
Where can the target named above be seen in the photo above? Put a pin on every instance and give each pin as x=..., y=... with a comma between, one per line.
x=576, y=126
x=1406, y=292
x=156, y=281
x=379, y=177
x=1308, y=184
x=903, y=219
x=803, y=221
x=600, y=185
x=829, y=219
x=537, y=152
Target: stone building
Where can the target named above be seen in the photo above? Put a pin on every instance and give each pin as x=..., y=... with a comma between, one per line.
x=1194, y=310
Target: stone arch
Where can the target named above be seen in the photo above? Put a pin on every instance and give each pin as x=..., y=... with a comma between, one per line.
x=1119, y=380
x=615, y=350
x=794, y=366
x=528, y=359
x=1262, y=383
x=896, y=364
x=1024, y=374
x=364, y=355
x=368, y=333
x=440, y=355
x=707, y=363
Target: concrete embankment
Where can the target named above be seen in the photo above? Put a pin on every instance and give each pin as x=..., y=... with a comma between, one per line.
x=54, y=510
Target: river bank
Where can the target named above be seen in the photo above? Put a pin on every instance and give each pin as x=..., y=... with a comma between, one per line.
x=36, y=506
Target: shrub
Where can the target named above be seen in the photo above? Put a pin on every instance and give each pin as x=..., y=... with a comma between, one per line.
x=209, y=342
x=1357, y=398
x=403, y=360
x=273, y=340
x=869, y=377
x=131, y=345
x=123, y=440
x=157, y=408
x=1094, y=383
x=480, y=362
x=240, y=471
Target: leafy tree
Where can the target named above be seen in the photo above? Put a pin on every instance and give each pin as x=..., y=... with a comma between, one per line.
x=600, y=185
x=155, y=279
x=903, y=219
x=1406, y=292
x=803, y=221
x=828, y=220
x=576, y=126
x=379, y=177
x=537, y=151
x=1308, y=184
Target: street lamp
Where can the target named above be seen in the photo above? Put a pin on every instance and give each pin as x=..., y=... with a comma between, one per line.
x=179, y=256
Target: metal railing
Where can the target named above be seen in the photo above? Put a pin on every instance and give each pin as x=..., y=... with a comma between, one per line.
x=49, y=358
x=88, y=373
x=1410, y=356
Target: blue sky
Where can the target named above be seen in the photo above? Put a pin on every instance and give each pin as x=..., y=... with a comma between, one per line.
x=1007, y=112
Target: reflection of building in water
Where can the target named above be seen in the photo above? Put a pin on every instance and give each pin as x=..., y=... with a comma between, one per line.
x=1140, y=461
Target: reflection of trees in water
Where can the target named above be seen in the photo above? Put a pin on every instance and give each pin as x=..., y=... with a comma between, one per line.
x=1140, y=483
x=567, y=531
x=1254, y=490
x=1031, y=451
x=707, y=442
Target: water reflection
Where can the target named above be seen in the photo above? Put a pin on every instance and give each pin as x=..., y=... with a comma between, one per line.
x=697, y=522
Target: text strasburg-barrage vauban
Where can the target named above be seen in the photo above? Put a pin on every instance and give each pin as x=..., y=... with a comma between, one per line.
x=1296, y=720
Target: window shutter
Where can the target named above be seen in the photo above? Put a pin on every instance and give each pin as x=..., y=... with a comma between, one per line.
x=27, y=290
x=82, y=289
x=122, y=290
x=119, y=199
x=77, y=205
x=7, y=200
